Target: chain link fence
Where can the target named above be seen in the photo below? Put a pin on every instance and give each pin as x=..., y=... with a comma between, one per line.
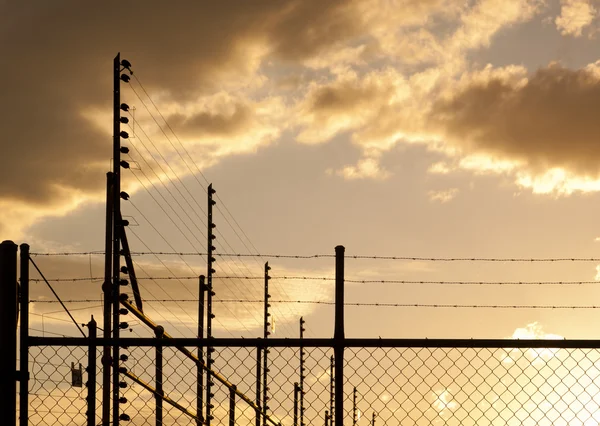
x=382, y=386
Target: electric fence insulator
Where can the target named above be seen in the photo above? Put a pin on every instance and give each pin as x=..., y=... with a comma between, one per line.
x=213, y=237
x=123, y=297
x=123, y=325
x=212, y=271
x=124, y=164
x=124, y=134
x=213, y=248
x=124, y=417
x=125, y=107
x=212, y=259
x=124, y=270
x=122, y=370
x=213, y=202
x=123, y=311
x=124, y=195
x=122, y=385
x=125, y=78
x=211, y=190
x=123, y=357
x=123, y=282
x=124, y=120
x=213, y=225
x=122, y=400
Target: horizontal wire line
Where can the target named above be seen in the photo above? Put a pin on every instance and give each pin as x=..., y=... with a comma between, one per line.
x=305, y=278
x=360, y=304
x=315, y=256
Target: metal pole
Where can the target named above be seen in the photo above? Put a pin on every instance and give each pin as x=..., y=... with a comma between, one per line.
x=116, y=233
x=266, y=336
x=200, y=370
x=339, y=336
x=91, y=371
x=301, y=373
x=24, y=344
x=354, y=406
x=258, y=383
x=232, y=406
x=331, y=387
x=8, y=332
x=296, y=392
x=159, y=378
x=107, y=290
x=211, y=293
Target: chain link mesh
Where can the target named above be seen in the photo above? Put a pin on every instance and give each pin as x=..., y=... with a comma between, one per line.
x=391, y=386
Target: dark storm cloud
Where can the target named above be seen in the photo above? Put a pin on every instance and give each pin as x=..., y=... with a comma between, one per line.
x=550, y=121
x=58, y=61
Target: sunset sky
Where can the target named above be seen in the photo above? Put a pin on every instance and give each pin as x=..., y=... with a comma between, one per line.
x=418, y=128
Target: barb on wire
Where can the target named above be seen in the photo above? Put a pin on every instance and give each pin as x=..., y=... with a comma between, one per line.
x=57, y=298
x=348, y=256
x=359, y=304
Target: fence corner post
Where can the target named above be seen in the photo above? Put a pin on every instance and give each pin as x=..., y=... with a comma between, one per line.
x=24, y=336
x=8, y=331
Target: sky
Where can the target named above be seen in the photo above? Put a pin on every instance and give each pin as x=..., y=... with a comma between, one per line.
x=414, y=128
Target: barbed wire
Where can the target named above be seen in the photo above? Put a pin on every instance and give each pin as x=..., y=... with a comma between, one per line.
x=357, y=304
x=316, y=256
x=356, y=281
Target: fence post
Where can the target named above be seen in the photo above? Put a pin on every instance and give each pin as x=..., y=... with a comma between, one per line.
x=258, y=383
x=354, y=406
x=24, y=343
x=8, y=332
x=91, y=371
x=159, y=377
x=326, y=418
x=267, y=323
x=200, y=370
x=338, y=336
x=331, y=387
x=301, y=372
x=232, y=405
x=296, y=391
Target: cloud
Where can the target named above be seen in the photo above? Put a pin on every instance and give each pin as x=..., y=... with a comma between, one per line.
x=365, y=168
x=443, y=196
x=575, y=15
x=548, y=121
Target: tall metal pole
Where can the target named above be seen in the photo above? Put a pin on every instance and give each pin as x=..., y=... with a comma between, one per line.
x=8, y=332
x=116, y=232
x=107, y=290
x=211, y=293
x=24, y=344
x=91, y=373
x=199, y=369
x=339, y=336
x=267, y=323
x=301, y=373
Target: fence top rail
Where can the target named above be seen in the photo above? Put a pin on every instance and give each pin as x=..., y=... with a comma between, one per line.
x=319, y=342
